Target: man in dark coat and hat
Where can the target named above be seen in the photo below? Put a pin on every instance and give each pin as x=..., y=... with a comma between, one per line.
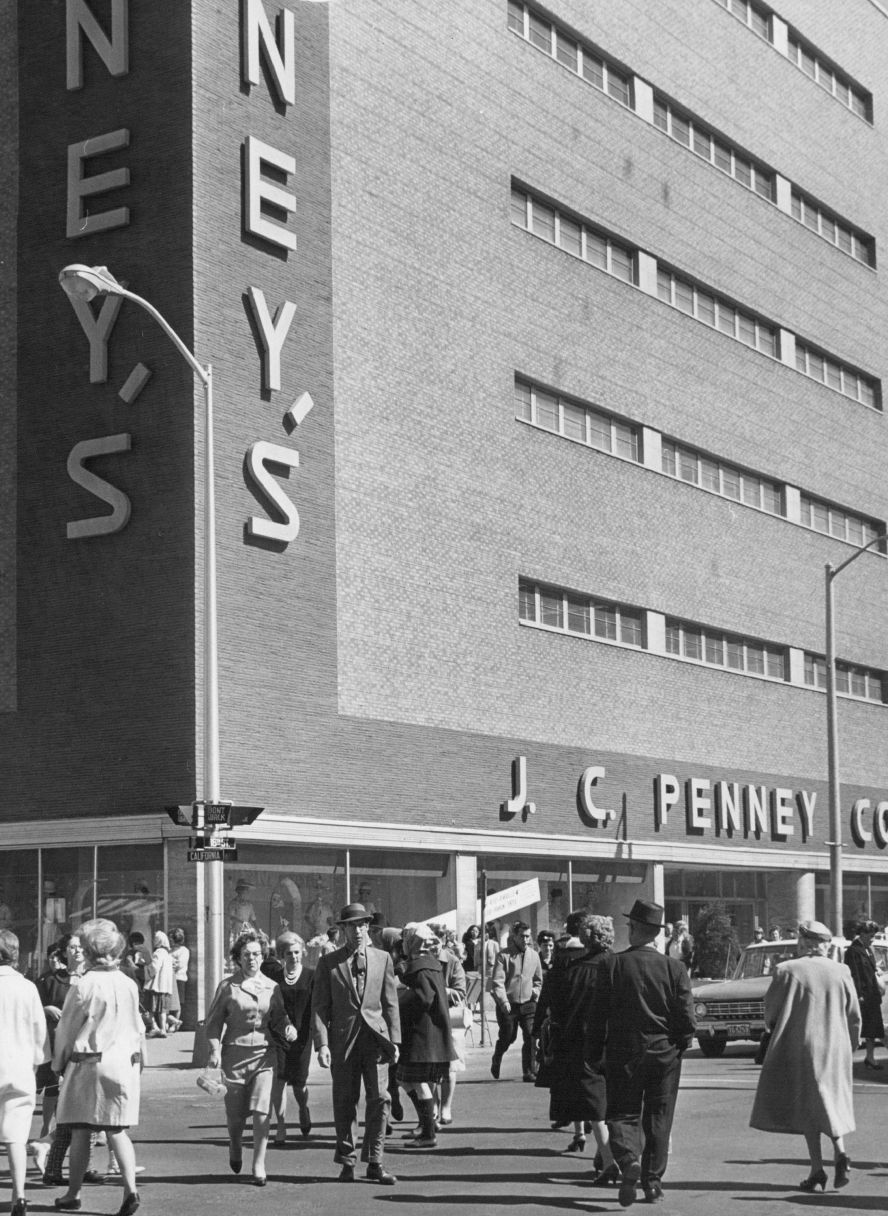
x=356, y=1029
x=642, y=1017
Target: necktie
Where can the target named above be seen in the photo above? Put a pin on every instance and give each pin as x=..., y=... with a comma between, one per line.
x=359, y=971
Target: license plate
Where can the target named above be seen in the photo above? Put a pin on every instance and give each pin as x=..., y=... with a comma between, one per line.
x=740, y=1029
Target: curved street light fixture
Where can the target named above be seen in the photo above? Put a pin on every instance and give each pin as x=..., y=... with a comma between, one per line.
x=84, y=283
x=836, y=891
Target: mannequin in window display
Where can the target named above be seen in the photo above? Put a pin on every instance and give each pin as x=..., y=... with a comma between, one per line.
x=241, y=913
x=319, y=913
x=54, y=917
x=285, y=907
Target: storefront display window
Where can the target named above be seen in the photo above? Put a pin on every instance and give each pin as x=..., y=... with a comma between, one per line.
x=18, y=904
x=864, y=897
x=401, y=887
x=68, y=894
x=129, y=888
x=607, y=888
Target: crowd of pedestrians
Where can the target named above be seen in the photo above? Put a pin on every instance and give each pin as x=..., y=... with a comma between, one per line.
x=386, y=1009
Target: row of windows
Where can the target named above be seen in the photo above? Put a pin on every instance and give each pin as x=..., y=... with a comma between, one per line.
x=577, y=56
x=573, y=613
x=598, y=429
x=575, y=421
x=681, y=126
x=725, y=650
x=593, y=246
x=852, y=681
x=582, y=615
x=691, y=133
x=805, y=56
x=843, y=379
x=714, y=310
x=724, y=479
x=833, y=521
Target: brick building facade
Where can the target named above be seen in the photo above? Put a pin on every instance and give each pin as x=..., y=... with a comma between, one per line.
x=588, y=304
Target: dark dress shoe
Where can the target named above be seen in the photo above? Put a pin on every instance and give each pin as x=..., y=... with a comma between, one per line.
x=129, y=1205
x=305, y=1123
x=495, y=1068
x=653, y=1192
x=236, y=1164
x=19, y=1208
x=628, y=1192
x=346, y=1174
x=377, y=1173
x=64, y=1204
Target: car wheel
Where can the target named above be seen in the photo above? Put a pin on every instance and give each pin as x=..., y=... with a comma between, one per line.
x=714, y=1046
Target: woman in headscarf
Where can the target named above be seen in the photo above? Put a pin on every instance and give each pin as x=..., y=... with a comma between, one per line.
x=868, y=983
x=426, y=1042
x=24, y=1046
x=575, y=1083
x=805, y=1085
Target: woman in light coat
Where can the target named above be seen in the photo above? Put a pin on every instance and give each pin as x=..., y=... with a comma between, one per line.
x=159, y=985
x=99, y=1047
x=24, y=1046
x=805, y=1086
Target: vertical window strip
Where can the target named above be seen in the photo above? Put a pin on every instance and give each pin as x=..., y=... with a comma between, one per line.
x=574, y=420
x=828, y=226
x=829, y=371
x=579, y=58
x=805, y=57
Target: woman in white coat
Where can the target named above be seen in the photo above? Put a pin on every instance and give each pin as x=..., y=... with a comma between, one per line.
x=805, y=1086
x=24, y=1046
x=159, y=984
x=99, y=1048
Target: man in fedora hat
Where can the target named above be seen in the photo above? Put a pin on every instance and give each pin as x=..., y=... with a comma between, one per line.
x=356, y=1031
x=642, y=1017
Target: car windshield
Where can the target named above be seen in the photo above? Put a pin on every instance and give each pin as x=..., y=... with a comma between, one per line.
x=761, y=960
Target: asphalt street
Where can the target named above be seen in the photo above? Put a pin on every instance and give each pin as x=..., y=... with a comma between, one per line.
x=500, y=1154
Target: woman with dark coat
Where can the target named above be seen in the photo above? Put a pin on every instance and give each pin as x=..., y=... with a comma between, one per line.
x=426, y=1042
x=296, y=983
x=575, y=1083
x=862, y=964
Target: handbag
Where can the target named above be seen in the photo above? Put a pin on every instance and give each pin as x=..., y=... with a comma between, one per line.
x=460, y=1016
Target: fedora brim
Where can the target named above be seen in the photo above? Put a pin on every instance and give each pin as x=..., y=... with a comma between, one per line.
x=355, y=920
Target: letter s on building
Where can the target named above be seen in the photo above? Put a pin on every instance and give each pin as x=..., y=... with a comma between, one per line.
x=259, y=457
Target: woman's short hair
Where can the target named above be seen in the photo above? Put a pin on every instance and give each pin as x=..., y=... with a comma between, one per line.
x=177, y=936
x=161, y=941
x=577, y=921
x=545, y=935
x=243, y=939
x=64, y=942
x=283, y=940
x=102, y=941
x=9, y=948
x=601, y=930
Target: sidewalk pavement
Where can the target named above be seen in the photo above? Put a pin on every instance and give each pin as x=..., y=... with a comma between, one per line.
x=499, y=1156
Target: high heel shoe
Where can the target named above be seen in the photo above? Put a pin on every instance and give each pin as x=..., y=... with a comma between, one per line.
x=843, y=1170
x=813, y=1181
x=577, y=1145
x=873, y=1065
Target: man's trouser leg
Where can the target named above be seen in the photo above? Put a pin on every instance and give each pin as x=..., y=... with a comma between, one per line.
x=374, y=1067
x=662, y=1075
x=508, y=1032
x=625, y=1094
x=525, y=1019
x=346, y=1078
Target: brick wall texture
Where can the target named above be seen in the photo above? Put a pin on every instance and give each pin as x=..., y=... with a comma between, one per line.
x=375, y=667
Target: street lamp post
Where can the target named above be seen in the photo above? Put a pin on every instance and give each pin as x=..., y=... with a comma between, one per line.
x=836, y=893
x=85, y=283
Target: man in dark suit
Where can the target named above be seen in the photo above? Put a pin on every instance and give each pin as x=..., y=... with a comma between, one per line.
x=643, y=1018
x=356, y=1031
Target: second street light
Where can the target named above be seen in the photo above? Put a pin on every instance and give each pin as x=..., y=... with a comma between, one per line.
x=836, y=892
x=84, y=283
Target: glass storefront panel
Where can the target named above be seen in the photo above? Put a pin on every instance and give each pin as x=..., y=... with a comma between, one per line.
x=277, y=887
x=553, y=875
x=402, y=886
x=19, y=905
x=68, y=896
x=608, y=888
x=864, y=897
x=129, y=888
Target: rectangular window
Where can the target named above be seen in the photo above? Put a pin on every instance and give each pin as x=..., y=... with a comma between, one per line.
x=552, y=610
x=734, y=653
x=702, y=144
x=593, y=70
x=726, y=319
x=684, y=296
x=540, y=34
x=516, y=18
x=668, y=457
x=566, y=52
x=715, y=649
x=621, y=264
x=692, y=647
x=546, y=411
x=709, y=477
x=755, y=659
x=630, y=628
x=626, y=441
x=605, y=622
x=570, y=236
x=526, y=602
x=687, y=465
x=775, y=664
x=574, y=422
x=596, y=250
x=618, y=87
x=661, y=115
x=523, y=401
x=730, y=483
x=599, y=432
x=705, y=308
x=543, y=221
x=673, y=639
x=721, y=156
x=681, y=130
x=519, y=208
x=577, y=615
